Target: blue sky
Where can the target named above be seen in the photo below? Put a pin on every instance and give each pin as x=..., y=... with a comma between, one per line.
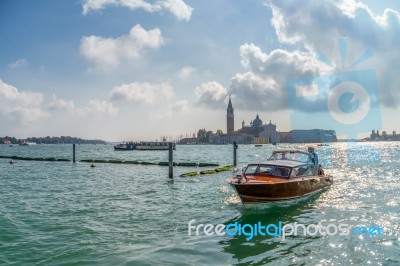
x=122, y=69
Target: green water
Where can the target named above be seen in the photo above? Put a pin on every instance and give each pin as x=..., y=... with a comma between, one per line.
x=59, y=213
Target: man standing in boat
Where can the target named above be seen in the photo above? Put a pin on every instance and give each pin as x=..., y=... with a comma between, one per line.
x=313, y=159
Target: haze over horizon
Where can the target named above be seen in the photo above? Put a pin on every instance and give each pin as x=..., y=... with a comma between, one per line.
x=137, y=70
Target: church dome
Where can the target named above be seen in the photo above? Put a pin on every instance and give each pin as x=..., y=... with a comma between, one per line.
x=257, y=122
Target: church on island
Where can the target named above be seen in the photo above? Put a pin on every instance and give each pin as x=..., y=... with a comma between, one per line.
x=261, y=133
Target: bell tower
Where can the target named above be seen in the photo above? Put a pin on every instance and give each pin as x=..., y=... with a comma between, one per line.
x=230, y=123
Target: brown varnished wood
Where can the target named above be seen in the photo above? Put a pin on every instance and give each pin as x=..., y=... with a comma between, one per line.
x=255, y=188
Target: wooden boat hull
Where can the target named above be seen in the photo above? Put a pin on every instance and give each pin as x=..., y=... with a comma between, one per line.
x=262, y=192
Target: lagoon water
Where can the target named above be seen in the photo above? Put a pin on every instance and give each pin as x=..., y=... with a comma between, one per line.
x=58, y=213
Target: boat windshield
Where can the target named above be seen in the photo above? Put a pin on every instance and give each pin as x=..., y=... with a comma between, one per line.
x=260, y=169
x=290, y=156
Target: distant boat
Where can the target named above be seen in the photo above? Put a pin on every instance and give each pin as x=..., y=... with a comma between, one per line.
x=258, y=145
x=11, y=145
x=149, y=146
x=322, y=144
x=274, y=143
x=25, y=143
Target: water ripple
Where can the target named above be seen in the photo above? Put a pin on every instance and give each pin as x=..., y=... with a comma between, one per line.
x=61, y=213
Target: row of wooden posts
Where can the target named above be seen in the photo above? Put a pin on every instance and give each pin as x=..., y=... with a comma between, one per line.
x=170, y=157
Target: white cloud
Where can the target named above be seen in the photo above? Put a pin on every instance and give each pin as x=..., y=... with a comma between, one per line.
x=141, y=92
x=97, y=108
x=108, y=53
x=211, y=94
x=305, y=23
x=177, y=7
x=318, y=25
x=93, y=107
x=262, y=86
x=20, y=63
x=274, y=64
x=21, y=106
x=186, y=72
x=9, y=93
x=60, y=104
x=26, y=115
x=179, y=106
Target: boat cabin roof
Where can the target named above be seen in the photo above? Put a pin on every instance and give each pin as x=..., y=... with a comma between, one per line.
x=285, y=163
x=287, y=158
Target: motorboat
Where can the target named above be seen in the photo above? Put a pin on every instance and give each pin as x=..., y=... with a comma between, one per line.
x=125, y=146
x=287, y=175
x=149, y=145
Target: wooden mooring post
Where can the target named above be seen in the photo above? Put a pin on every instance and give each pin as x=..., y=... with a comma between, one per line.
x=170, y=160
x=235, y=146
x=73, y=153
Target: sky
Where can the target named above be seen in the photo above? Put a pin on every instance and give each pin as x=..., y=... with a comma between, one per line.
x=139, y=70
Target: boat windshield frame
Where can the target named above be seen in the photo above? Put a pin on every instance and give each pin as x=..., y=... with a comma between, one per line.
x=290, y=155
x=270, y=170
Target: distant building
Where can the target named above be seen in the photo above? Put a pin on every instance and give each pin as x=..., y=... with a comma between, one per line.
x=374, y=136
x=230, y=118
x=263, y=133
x=6, y=141
x=258, y=132
x=384, y=136
x=286, y=137
x=193, y=140
x=254, y=128
x=313, y=135
x=230, y=138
